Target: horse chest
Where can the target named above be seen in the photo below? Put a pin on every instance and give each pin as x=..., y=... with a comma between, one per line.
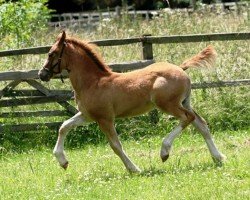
x=81, y=105
x=91, y=106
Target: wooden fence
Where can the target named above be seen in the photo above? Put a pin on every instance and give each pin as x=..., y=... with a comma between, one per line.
x=11, y=97
x=83, y=19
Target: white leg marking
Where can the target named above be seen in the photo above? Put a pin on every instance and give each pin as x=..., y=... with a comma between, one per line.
x=204, y=130
x=69, y=124
x=168, y=141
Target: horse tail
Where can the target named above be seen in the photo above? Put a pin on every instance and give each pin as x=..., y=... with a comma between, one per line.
x=206, y=58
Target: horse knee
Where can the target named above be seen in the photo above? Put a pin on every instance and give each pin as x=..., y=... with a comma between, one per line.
x=65, y=127
x=62, y=130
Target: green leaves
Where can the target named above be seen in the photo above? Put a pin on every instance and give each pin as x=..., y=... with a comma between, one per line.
x=19, y=20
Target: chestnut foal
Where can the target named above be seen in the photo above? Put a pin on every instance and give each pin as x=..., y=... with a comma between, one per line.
x=102, y=95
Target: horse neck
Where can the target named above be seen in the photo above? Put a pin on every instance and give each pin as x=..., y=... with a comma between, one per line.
x=84, y=72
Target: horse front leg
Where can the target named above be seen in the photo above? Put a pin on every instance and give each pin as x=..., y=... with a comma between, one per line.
x=69, y=124
x=108, y=128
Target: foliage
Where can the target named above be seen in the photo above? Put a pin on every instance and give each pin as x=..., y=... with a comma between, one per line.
x=19, y=20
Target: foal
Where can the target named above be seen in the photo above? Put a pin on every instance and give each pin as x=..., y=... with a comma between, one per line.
x=102, y=95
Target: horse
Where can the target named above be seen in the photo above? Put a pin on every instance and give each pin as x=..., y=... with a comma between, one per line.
x=102, y=95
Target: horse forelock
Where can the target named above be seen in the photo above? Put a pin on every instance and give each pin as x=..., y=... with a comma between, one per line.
x=91, y=51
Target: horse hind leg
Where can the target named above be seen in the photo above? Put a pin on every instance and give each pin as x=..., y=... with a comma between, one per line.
x=185, y=117
x=200, y=124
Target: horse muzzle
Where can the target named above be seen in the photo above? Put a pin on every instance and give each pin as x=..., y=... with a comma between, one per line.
x=45, y=75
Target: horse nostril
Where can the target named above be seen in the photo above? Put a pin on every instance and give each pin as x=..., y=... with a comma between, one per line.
x=44, y=76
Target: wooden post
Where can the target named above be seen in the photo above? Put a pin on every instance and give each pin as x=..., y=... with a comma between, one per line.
x=193, y=4
x=147, y=48
x=147, y=15
x=147, y=54
x=117, y=11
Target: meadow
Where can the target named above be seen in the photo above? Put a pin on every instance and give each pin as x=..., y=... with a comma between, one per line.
x=29, y=171
x=95, y=173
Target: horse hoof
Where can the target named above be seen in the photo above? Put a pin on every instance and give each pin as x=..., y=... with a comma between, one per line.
x=223, y=157
x=137, y=171
x=134, y=171
x=219, y=160
x=164, y=157
x=65, y=166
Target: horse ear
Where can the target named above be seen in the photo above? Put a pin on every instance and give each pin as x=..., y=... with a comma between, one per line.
x=63, y=37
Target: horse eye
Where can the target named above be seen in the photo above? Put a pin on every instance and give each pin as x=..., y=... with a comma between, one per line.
x=50, y=55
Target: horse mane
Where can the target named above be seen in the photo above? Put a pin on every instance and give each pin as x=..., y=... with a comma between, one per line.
x=90, y=50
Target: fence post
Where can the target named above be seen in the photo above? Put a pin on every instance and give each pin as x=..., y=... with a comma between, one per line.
x=147, y=48
x=117, y=11
x=193, y=4
x=147, y=54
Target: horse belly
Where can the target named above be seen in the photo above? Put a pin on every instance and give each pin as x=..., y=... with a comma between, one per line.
x=135, y=109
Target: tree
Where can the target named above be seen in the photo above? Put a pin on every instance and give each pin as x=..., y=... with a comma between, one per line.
x=18, y=20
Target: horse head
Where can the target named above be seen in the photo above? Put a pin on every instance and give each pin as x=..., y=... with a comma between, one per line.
x=55, y=62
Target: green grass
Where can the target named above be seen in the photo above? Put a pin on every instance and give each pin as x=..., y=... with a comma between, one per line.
x=96, y=173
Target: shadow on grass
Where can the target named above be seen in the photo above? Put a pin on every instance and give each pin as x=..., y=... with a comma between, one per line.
x=177, y=169
x=151, y=172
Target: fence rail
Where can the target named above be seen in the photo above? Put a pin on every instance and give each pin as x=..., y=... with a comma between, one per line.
x=146, y=39
x=84, y=19
x=11, y=97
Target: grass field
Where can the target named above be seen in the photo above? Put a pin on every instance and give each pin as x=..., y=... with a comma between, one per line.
x=96, y=173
